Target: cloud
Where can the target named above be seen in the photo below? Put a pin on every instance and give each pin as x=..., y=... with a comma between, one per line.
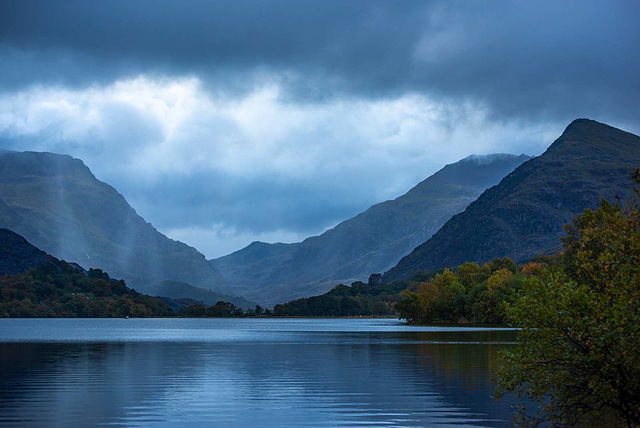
x=533, y=60
x=254, y=165
x=265, y=119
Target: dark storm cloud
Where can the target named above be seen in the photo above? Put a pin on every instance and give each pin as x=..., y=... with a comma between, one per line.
x=211, y=38
x=529, y=59
x=258, y=117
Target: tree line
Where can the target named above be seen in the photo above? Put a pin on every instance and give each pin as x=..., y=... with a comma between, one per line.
x=61, y=291
x=358, y=300
x=468, y=293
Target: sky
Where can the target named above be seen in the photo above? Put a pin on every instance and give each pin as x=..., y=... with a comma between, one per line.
x=226, y=122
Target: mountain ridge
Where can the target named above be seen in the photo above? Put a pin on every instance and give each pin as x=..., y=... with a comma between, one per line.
x=524, y=214
x=58, y=205
x=369, y=242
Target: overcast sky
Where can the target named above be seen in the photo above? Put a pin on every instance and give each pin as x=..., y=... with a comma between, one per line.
x=233, y=121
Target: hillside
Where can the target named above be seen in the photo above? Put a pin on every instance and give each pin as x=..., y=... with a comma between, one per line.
x=359, y=299
x=56, y=203
x=188, y=291
x=17, y=255
x=524, y=214
x=35, y=284
x=373, y=241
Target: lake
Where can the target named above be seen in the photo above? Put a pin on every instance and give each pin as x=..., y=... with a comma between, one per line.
x=248, y=372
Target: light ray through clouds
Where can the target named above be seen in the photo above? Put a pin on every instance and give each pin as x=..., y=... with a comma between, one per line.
x=226, y=122
x=171, y=148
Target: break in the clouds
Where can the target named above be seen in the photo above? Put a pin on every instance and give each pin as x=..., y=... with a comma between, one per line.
x=225, y=122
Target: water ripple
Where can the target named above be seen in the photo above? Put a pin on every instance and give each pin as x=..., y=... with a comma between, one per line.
x=233, y=372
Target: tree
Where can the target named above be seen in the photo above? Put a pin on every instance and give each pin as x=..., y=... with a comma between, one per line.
x=578, y=353
x=97, y=274
x=470, y=274
x=409, y=307
x=432, y=296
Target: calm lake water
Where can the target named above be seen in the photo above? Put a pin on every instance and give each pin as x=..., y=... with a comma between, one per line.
x=247, y=372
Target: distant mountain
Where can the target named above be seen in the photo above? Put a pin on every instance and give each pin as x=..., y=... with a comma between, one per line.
x=176, y=304
x=188, y=291
x=524, y=214
x=373, y=241
x=56, y=203
x=18, y=256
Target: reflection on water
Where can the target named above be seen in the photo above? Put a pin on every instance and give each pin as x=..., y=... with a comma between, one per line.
x=247, y=373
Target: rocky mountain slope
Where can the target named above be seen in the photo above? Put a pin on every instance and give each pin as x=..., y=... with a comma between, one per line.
x=524, y=214
x=373, y=241
x=56, y=203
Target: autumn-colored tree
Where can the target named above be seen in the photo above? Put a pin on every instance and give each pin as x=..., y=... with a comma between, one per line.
x=578, y=355
x=531, y=269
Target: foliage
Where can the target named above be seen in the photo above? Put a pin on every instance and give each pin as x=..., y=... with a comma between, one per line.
x=468, y=293
x=578, y=354
x=409, y=307
x=358, y=300
x=59, y=290
x=219, y=310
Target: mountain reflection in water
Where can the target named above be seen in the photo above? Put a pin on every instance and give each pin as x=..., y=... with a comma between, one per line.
x=250, y=372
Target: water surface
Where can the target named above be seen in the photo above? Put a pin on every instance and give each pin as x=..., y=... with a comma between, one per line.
x=247, y=372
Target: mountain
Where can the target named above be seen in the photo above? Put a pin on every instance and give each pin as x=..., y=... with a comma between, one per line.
x=373, y=241
x=17, y=255
x=188, y=291
x=342, y=301
x=524, y=214
x=34, y=284
x=56, y=203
